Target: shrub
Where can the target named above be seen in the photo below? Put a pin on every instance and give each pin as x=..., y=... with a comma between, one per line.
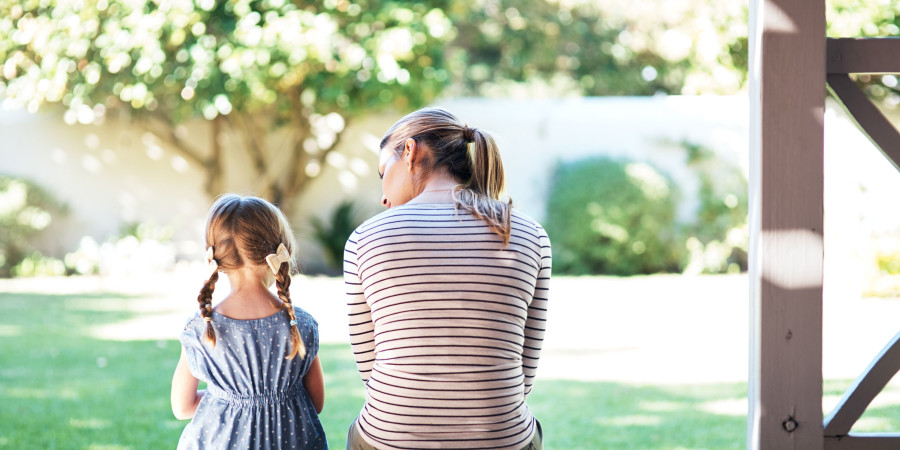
x=718, y=236
x=139, y=248
x=26, y=210
x=333, y=235
x=608, y=216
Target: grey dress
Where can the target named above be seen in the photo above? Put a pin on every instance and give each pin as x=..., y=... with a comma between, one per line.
x=255, y=398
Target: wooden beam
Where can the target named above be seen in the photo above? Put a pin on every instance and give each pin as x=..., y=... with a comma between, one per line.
x=869, y=384
x=787, y=106
x=873, y=441
x=868, y=118
x=863, y=55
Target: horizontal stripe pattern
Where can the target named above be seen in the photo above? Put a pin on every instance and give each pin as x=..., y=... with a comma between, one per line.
x=446, y=325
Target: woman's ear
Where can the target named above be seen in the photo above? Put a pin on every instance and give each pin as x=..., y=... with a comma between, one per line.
x=410, y=152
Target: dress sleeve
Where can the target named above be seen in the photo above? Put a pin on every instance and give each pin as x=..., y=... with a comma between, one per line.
x=362, y=337
x=193, y=347
x=311, y=335
x=536, y=325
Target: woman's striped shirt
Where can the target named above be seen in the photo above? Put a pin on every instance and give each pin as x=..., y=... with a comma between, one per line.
x=446, y=324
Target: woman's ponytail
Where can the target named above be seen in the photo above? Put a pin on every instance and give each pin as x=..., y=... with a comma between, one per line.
x=487, y=167
x=481, y=196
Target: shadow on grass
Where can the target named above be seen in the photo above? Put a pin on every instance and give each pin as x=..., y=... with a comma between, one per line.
x=60, y=387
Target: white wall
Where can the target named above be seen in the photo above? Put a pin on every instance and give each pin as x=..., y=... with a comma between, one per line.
x=535, y=134
x=111, y=174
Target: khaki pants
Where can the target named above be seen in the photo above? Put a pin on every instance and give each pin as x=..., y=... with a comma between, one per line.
x=355, y=440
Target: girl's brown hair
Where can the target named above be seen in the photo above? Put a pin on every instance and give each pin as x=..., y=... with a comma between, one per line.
x=243, y=230
x=477, y=166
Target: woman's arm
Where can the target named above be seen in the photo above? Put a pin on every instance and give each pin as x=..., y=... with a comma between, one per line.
x=362, y=330
x=314, y=382
x=536, y=324
x=185, y=396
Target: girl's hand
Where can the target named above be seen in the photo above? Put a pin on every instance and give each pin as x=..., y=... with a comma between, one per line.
x=314, y=382
x=185, y=396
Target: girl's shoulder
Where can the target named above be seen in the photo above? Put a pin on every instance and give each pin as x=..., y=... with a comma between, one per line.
x=192, y=320
x=304, y=316
x=193, y=330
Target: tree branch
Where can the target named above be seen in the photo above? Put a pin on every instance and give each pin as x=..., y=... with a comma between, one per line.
x=252, y=140
x=169, y=136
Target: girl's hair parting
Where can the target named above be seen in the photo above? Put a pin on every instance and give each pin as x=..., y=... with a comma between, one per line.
x=477, y=166
x=243, y=230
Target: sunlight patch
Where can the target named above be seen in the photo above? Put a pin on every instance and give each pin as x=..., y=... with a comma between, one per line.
x=92, y=423
x=887, y=397
x=873, y=424
x=10, y=330
x=625, y=421
x=730, y=407
x=661, y=406
x=57, y=393
x=142, y=328
x=829, y=402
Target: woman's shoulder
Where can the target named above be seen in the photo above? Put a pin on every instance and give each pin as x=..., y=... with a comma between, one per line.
x=524, y=221
x=407, y=212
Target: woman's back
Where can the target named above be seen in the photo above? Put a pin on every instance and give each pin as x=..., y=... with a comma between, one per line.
x=446, y=325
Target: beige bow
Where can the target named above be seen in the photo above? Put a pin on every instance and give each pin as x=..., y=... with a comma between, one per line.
x=211, y=261
x=276, y=259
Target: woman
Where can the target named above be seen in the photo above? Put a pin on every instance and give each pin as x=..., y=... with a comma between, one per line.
x=448, y=294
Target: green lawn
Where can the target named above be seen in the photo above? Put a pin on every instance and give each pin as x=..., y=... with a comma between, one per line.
x=62, y=388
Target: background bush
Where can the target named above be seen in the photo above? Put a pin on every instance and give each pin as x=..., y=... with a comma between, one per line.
x=610, y=216
x=717, y=239
x=26, y=210
x=333, y=234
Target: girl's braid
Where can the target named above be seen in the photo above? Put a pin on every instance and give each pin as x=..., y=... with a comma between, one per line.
x=283, y=283
x=205, y=301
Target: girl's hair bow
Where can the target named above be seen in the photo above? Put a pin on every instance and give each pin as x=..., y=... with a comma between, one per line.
x=279, y=257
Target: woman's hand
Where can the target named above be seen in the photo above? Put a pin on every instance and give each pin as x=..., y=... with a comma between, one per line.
x=185, y=396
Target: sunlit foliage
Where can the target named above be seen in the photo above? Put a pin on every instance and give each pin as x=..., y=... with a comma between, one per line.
x=859, y=18
x=246, y=66
x=255, y=68
x=599, y=47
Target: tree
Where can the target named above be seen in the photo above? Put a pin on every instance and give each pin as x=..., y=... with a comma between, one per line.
x=250, y=67
x=598, y=47
x=266, y=69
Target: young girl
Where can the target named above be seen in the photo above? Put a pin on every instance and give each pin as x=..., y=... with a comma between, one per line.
x=256, y=352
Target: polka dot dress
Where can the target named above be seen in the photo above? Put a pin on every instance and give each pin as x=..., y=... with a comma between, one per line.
x=255, y=397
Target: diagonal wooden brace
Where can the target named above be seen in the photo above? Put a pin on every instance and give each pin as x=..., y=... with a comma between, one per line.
x=868, y=118
x=869, y=384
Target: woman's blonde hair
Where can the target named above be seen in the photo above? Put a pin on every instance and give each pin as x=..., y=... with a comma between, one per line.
x=243, y=230
x=478, y=167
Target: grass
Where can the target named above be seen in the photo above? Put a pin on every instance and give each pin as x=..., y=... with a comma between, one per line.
x=61, y=388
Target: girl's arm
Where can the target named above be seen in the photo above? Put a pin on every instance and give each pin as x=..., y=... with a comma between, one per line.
x=314, y=382
x=185, y=396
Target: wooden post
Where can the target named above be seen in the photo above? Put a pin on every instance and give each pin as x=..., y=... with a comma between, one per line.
x=787, y=105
